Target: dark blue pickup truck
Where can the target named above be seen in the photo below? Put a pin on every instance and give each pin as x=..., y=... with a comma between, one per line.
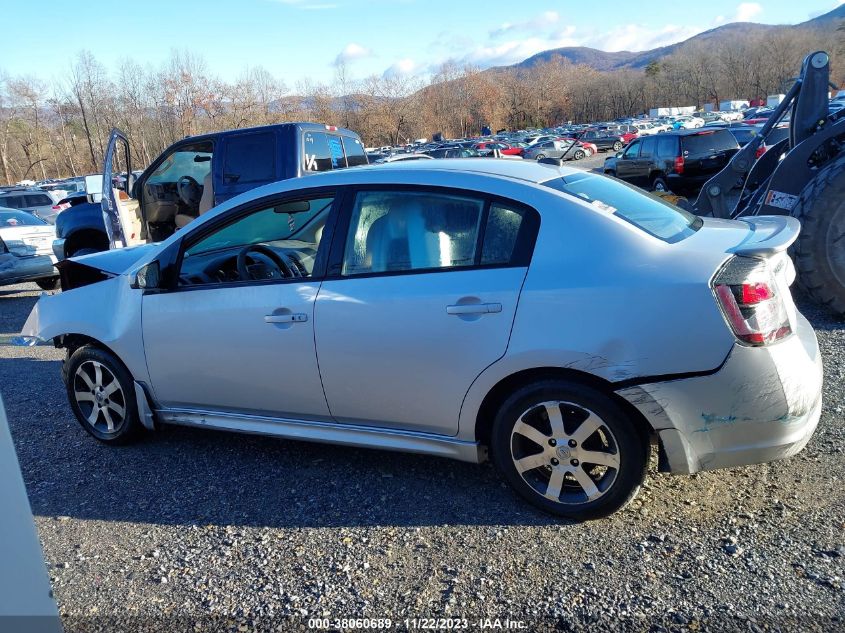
x=197, y=173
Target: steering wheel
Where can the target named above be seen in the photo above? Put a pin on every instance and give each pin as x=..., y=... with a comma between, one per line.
x=190, y=191
x=265, y=252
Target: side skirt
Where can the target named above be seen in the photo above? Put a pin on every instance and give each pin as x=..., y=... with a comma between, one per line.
x=328, y=432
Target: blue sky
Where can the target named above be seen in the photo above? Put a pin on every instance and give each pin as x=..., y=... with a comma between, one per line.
x=303, y=39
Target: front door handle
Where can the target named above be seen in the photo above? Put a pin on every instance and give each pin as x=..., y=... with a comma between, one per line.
x=297, y=317
x=474, y=308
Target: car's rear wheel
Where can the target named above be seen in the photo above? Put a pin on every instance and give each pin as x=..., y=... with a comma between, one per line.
x=101, y=394
x=659, y=183
x=540, y=156
x=579, y=155
x=48, y=283
x=569, y=449
x=617, y=146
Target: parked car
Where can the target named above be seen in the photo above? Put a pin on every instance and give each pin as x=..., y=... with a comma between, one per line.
x=687, y=123
x=32, y=200
x=26, y=252
x=602, y=140
x=453, y=152
x=679, y=161
x=436, y=313
x=505, y=149
x=400, y=157
x=195, y=174
x=555, y=149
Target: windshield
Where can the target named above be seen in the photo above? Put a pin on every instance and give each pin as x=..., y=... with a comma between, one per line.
x=9, y=218
x=645, y=211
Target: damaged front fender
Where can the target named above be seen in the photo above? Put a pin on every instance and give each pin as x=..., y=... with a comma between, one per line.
x=108, y=312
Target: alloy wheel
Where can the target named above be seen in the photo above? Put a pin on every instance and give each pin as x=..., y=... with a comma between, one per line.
x=99, y=396
x=565, y=452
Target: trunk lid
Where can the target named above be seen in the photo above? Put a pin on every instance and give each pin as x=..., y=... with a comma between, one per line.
x=29, y=240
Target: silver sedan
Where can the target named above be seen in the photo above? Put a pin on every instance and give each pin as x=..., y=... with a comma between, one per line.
x=556, y=321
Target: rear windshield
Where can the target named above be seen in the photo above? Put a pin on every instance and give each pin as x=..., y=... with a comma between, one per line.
x=18, y=218
x=705, y=142
x=645, y=211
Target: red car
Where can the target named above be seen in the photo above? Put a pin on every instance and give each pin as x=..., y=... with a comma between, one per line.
x=504, y=148
x=592, y=148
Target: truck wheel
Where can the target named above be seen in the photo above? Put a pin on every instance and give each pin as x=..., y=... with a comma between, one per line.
x=820, y=249
x=48, y=283
x=659, y=184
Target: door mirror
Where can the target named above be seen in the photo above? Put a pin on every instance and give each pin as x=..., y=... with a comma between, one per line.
x=147, y=277
x=619, y=154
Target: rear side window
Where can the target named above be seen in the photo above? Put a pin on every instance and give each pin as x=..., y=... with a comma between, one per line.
x=509, y=235
x=354, y=150
x=394, y=231
x=38, y=200
x=705, y=142
x=645, y=211
x=667, y=146
x=649, y=147
x=316, y=153
x=250, y=158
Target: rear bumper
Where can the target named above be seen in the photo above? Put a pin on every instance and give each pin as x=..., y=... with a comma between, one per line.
x=762, y=405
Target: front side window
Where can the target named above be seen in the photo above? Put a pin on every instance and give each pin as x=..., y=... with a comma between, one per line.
x=392, y=231
x=38, y=200
x=291, y=231
x=632, y=151
x=193, y=161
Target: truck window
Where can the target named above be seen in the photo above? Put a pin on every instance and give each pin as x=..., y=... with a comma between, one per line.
x=250, y=158
x=316, y=154
x=354, y=150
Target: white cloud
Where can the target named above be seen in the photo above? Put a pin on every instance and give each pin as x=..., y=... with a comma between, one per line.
x=636, y=37
x=541, y=21
x=352, y=52
x=406, y=66
x=747, y=11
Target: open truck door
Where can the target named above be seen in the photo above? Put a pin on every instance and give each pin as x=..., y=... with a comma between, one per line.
x=121, y=214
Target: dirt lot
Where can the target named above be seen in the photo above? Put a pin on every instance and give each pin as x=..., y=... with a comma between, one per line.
x=194, y=530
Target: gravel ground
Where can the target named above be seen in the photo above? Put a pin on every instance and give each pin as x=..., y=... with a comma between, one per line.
x=193, y=530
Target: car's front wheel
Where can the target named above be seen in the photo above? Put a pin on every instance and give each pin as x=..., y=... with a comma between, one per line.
x=569, y=449
x=540, y=157
x=102, y=395
x=617, y=146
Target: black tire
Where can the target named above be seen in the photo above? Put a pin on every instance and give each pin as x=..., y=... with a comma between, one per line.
x=540, y=157
x=579, y=154
x=658, y=183
x=617, y=146
x=819, y=252
x=610, y=172
x=617, y=430
x=48, y=283
x=129, y=427
x=85, y=250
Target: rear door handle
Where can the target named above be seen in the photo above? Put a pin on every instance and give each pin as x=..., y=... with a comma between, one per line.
x=297, y=317
x=474, y=308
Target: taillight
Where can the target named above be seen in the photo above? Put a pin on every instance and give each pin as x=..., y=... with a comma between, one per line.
x=752, y=302
x=679, y=164
x=60, y=207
